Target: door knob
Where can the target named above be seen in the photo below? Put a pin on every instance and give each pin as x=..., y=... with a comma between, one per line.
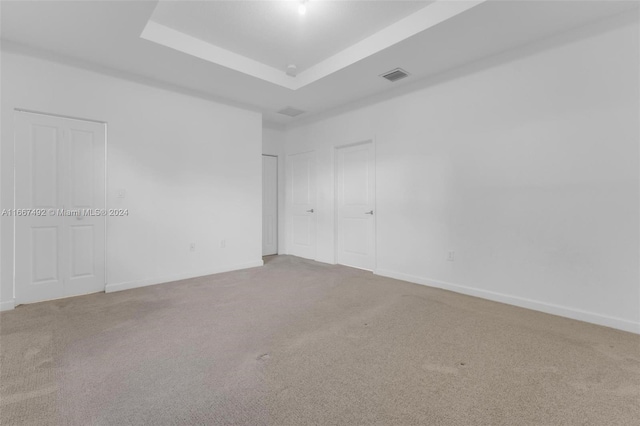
x=369, y=212
x=310, y=211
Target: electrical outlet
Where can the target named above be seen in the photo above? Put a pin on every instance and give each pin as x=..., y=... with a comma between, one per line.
x=223, y=243
x=192, y=247
x=451, y=256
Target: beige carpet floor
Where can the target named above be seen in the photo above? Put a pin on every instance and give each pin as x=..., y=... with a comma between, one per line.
x=302, y=343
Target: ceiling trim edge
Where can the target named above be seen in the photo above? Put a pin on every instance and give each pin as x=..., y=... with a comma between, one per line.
x=193, y=46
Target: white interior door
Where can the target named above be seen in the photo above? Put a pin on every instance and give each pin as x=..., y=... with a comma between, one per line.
x=355, y=203
x=269, y=205
x=302, y=209
x=59, y=178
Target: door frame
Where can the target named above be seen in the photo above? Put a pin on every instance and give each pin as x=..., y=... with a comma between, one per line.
x=336, y=229
x=106, y=186
x=278, y=245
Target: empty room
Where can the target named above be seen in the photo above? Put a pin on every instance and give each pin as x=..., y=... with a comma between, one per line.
x=320, y=212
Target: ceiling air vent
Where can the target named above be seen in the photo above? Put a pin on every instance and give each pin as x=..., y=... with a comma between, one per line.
x=291, y=111
x=395, y=75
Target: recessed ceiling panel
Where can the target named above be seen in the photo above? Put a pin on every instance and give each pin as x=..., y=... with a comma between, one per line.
x=275, y=34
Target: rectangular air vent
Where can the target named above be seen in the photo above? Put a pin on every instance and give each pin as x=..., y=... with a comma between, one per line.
x=395, y=75
x=291, y=111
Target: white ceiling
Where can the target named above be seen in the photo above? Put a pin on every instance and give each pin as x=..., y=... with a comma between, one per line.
x=326, y=17
x=274, y=33
x=105, y=35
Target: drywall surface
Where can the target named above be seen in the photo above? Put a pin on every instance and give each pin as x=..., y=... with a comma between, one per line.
x=525, y=165
x=190, y=170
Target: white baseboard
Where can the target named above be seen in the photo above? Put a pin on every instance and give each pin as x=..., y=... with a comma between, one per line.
x=549, y=308
x=7, y=305
x=110, y=288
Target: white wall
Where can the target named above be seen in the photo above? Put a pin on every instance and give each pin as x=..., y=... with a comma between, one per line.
x=273, y=144
x=525, y=164
x=191, y=169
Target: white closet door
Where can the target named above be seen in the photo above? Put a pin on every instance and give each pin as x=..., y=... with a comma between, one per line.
x=269, y=205
x=85, y=269
x=59, y=168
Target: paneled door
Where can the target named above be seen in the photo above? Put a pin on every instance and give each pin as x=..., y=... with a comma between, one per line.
x=355, y=204
x=301, y=180
x=269, y=205
x=60, y=198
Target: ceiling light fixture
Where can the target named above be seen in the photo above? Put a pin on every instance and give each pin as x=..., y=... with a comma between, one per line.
x=292, y=70
x=302, y=8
